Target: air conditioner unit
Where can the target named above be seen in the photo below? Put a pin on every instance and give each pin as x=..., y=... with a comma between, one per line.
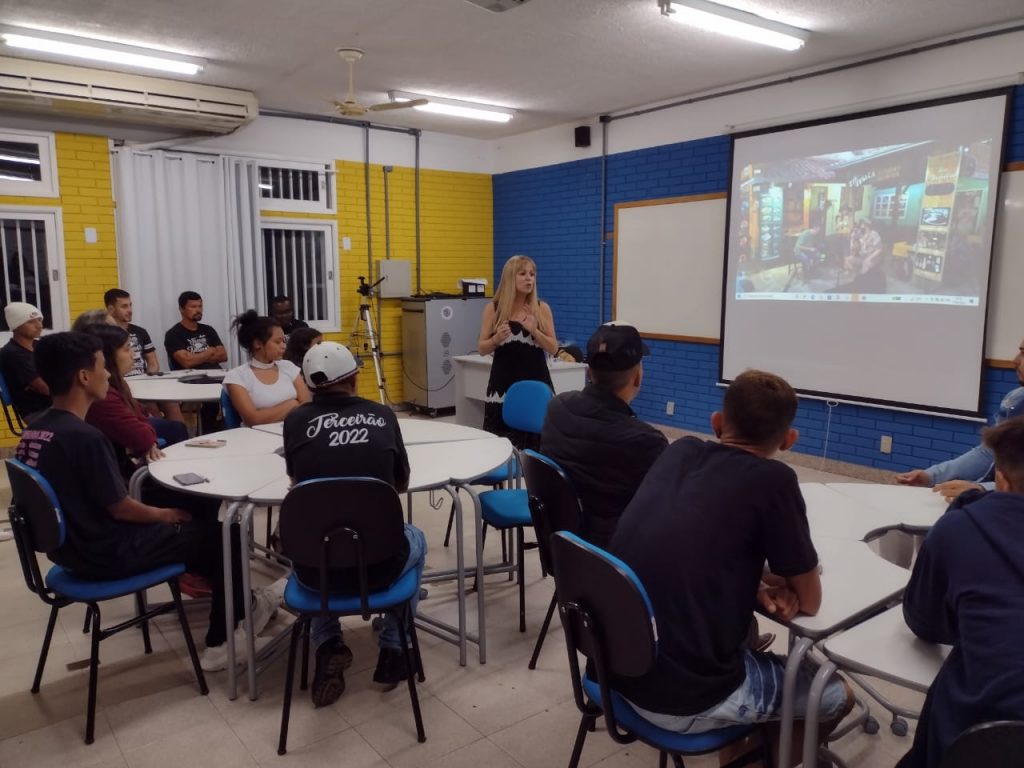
x=95, y=94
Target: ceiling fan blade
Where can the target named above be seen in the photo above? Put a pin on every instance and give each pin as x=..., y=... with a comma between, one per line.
x=396, y=105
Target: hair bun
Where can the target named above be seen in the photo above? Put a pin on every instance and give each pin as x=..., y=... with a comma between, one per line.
x=248, y=317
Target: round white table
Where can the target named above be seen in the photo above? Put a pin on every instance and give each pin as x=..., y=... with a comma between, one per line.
x=831, y=514
x=917, y=509
x=170, y=388
x=415, y=431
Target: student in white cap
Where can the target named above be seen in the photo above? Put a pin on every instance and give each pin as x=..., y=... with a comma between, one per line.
x=339, y=434
x=29, y=392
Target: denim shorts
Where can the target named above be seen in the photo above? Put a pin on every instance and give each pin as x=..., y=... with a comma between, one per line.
x=758, y=699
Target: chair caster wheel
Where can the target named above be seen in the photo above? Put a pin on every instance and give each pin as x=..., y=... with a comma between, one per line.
x=423, y=593
x=899, y=727
x=378, y=625
x=870, y=726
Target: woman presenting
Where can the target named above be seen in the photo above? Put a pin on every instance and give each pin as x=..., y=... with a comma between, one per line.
x=520, y=332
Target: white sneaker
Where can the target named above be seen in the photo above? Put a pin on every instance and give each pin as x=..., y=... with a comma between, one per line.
x=264, y=608
x=276, y=590
x=215, y=658
x=6, y=534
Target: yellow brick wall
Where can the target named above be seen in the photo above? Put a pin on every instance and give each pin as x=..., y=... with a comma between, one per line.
x=86, y=200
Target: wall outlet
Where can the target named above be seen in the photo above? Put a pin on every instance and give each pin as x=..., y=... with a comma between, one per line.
x=670, y=408
x=885, y=445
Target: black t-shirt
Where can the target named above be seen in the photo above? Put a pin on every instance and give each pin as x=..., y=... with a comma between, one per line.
x=348, y=436
x=202, y=338
x=141, y=344
x=697, y=533
x=19, y=369
x=604, y=449
x=79, y=464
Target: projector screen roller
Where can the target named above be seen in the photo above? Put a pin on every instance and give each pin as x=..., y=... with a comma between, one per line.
x=858, y=253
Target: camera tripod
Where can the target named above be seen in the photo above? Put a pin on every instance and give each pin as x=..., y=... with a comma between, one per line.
x=362, y=341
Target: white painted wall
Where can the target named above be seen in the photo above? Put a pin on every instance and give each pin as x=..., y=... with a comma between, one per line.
x=957, y=69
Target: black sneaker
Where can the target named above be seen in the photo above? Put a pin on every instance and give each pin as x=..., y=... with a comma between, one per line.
x=391, y=668
x=333, y=657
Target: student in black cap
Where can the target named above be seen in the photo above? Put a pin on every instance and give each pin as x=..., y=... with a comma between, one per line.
x=594, y=434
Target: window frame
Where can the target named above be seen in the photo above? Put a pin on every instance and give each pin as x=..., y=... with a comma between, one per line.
x=53, y=219
x=327, y=205
x=332, y=257
x=49, y=185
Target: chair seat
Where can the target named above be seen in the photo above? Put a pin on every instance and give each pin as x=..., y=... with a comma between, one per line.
x=85, y=590
x=499, y=475
x=300, y=598
x=506, y=508
x=669, y=741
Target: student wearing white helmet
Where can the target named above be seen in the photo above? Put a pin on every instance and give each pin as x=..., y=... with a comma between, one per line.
x=339, y=434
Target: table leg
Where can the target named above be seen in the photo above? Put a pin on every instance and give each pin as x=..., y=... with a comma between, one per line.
x=244, y=532
x=229, y=602
x=796, y=656
x=460, y=567
x=825, y=671
x=481, y=609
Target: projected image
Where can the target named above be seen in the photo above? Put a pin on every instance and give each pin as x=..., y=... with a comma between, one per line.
x=894, y=223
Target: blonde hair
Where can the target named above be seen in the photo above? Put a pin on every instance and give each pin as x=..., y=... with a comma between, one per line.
x=505, y=296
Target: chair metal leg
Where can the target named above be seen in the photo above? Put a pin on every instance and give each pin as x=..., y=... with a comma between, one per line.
x=306, y=639
x=87, y=624
x=270, y=529
x=403, y=621
x=45, y=649
x=506, y=546
x=521, y=568
x=662, y=760
x=416, y=650
x=677, y=761
x=581, y=735
x=187, y=632
x=140, y=607
x=543, y=631
x=289, y=680
x=448, y=530
x=94, y=660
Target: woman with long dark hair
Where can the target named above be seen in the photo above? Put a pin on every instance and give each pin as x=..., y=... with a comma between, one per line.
x=299, y=342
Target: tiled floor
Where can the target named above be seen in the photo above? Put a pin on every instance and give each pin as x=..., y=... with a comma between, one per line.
x=151, y=715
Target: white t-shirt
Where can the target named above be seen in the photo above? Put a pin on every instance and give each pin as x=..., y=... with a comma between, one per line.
x=266, y=395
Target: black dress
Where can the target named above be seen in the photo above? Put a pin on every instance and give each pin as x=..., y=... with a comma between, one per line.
x=518, y=358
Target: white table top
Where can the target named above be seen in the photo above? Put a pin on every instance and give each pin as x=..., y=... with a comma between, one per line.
x=430, y=466
x=854, y=581
x=230, y=477
x=240, y=442
x=831, y=514
x=170, y=388
x=917, y=509
x=415, y=431
x=884, y=647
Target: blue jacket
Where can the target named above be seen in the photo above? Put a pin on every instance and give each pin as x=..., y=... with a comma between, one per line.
x=967, y=590
x=978, y=465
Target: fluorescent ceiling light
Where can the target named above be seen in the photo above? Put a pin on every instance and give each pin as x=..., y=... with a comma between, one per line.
x=735, y=23
x=17, y=159
x=456, y=108
x=100, y=50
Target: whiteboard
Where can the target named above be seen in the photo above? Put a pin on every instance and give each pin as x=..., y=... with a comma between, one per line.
x=668, y=264
x=1006, y=287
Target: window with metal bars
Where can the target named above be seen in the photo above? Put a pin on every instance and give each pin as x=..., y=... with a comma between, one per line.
x=300, y=261
x=296, y=188
x=31, y=265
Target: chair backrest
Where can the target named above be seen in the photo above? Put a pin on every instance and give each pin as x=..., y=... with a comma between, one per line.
x=334, y=523
x=998, y=744
x=231, y=418
x=525, y=405
x=554, y=505
x=37, y=521
x=14, y=421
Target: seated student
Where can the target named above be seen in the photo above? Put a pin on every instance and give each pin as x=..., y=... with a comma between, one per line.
x=708, y=516
x=109, y=534
x=281, y=310
x=299, y=342
x=193, y=345
x=267, y=388
x=595, y=436
x=90, y=317
x=313, y=451
x=967, y=590
x=29, y=393
x=974, y=469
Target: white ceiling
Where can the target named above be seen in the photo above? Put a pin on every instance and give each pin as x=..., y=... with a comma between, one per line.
x=553, y=60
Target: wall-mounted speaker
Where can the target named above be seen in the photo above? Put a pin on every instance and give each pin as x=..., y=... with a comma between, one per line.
x=582, y=135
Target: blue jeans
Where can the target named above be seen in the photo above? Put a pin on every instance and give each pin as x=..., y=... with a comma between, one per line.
x=171, y=431
x=757, y=699
x=326, y=629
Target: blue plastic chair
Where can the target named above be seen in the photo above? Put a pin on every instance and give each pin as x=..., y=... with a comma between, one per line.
x=319, y=535
x=231, y=418
x=14, y=420
x=608, y=617
x=38, y=526
x=524, y=408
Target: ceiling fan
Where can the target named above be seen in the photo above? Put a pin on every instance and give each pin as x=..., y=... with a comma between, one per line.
x=352, y=108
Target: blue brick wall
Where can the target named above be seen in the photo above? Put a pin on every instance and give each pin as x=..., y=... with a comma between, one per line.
x=553, y=214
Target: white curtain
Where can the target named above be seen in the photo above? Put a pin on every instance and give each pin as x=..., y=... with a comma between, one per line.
x=246, y=283
x=171, y=224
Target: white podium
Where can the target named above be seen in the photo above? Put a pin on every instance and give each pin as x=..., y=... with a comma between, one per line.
x=473, y=371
